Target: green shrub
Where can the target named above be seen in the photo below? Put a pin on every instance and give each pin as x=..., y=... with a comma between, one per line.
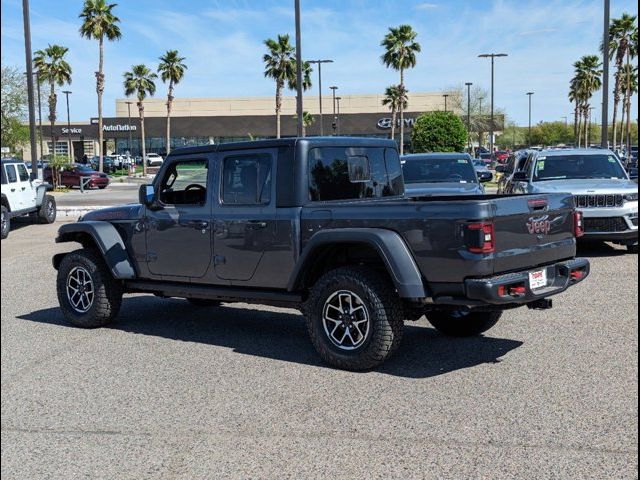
x=438, y=132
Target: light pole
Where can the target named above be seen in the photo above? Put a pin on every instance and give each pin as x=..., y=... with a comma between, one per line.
x=67, y=93
x=338, y=115
x=493, y=57
x=446, y=95
x=604, y=139
x=529, y=134
x=129, y=115
x=37, y=74
x=320, y=62
x=468, y=84
x=589, y=123
x=335, y=119
x=299, y=106
x=480, y=134
x=32, y=114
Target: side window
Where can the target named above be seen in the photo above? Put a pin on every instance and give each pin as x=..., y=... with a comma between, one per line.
x=11, y=173
x=338, y=173
x=4, y=175
x=185, y=183
x=246, y=179
x=394, y=172
x=22, y=172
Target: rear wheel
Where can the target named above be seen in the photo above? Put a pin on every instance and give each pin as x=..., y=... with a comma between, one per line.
x=6, y=222
x=460, y=323
x=48, y=210
x=88, y=294
x=202, y=302
x=354, y=318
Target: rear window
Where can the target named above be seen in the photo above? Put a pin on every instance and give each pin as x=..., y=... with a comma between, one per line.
x=339, y=173
x=438, y=170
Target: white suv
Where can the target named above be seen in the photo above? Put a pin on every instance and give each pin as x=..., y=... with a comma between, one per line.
x=154, y=160
x=22, y=196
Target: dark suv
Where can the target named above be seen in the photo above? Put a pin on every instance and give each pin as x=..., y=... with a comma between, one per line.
x=321, y=224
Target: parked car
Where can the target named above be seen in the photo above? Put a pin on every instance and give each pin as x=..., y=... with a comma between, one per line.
x=429, y=174
x=108, y=164
x=487, y=158
x=514, y=164
x=482, y=171
x=601, y=188
x=23, y=196
x=321, y=224
x=71, y=176
x=501, y=156
x=154, y=160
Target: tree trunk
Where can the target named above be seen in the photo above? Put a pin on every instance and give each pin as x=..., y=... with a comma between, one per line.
x=394, y=118
x=575, y=123
x=401, y=113
x=169, y=103
x=144, y=148
x=628, y=106
x=52, y=120
x=278, y=107
x=622, y=120
x=579, y=126
x=100, y=91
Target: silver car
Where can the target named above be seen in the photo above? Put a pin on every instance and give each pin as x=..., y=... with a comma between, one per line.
x=600, y=185
x=436, y=174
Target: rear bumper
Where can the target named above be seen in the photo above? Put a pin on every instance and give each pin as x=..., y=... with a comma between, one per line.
x=488, y=291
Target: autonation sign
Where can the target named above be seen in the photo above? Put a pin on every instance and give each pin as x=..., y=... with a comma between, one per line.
x=385, y=123
x=118, y=128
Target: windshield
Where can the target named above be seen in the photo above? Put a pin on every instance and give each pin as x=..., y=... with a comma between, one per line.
x=563, y=167
x=438, y=170
x=479, y=163
x=84, y=168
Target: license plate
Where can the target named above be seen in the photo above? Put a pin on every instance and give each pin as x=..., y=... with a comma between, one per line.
x=538, y=279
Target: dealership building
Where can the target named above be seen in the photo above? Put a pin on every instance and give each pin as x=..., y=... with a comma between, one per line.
x=197, y=121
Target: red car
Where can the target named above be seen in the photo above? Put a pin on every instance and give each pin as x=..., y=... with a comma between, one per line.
x=501, y=156
x=71, y=175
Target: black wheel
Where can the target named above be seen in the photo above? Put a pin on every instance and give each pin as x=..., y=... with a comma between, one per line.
x=48, y=210
x=88, y=295
x=354, y=318
x=460, y=323
x=632, y=248
x=6, y=222
x=203, y=302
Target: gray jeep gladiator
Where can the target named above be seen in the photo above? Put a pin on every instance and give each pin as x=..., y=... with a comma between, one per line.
x=321, y=224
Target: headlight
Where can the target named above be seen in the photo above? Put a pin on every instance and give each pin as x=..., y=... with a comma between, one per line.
x=631, y=197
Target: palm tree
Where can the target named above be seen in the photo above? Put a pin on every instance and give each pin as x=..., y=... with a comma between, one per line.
x=307, y=121
x=54, y=69
x=280, y=65
x=99, y=23
x=140, y=81
x=400, y=53
x=574, y=98
x=587, y=80
x=630, y=87
x=620, y=40
x=171, y=70
x=394, y=96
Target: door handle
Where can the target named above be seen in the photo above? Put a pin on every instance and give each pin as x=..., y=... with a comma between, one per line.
x=198, y=224
x=13, y=189
x=24, y=188
x=256, y=224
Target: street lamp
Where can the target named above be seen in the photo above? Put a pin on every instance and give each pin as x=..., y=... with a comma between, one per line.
x=37, y=74
x=445, y=101
x=129, y=103
x=492, y=56
x=299, y=106
x=67, y=93
x=529, y=139
x=468, y=84
x=338, y=115
x=335, y=120
x=480, y=113
x=320, y=62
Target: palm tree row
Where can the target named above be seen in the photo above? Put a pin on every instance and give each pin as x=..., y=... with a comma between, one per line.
x=586, y=81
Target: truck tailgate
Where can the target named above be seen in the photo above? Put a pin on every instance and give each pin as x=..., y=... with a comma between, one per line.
x=532, y=230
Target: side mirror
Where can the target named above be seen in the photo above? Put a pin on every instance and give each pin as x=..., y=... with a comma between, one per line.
x=147, y=196
x=520, y=177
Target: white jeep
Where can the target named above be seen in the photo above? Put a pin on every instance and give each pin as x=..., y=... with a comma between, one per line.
x=23, y=196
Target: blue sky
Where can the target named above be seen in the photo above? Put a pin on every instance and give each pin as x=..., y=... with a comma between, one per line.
x=222, y=41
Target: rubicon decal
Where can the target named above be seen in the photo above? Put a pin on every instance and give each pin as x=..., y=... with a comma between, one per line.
x=539, y=225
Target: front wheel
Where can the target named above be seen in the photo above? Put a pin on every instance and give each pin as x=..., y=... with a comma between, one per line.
x=48, y=210
x=6, y=222
x=460, y=323
x=88, y=294
x=354, y=318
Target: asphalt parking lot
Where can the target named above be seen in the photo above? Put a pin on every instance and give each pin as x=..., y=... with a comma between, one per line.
x=172, y=391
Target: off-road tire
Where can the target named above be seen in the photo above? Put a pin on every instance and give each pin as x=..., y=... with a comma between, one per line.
x=6, y=222
x=385, y=317
x=471, y=324
x=203, y=302
x=632, y=248
x=48, y=210
x=107, y=291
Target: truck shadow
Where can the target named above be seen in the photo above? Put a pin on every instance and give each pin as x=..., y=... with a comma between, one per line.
x=283, y=336
x=593, y=249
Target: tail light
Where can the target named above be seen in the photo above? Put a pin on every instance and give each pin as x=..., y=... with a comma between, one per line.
x=480, y=237
x=578, y=224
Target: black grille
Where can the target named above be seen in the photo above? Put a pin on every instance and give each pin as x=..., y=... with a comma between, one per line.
x=609, y=224
x=594, y=201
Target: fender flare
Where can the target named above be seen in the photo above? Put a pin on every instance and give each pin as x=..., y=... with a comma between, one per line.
x=109, y=243
x=5, y=202
x=390, y=246
x=41, y=191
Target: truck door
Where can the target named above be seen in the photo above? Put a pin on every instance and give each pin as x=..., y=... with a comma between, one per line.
x=245, y=215
x=14, y=194
x=178, y=234
x=26, y=189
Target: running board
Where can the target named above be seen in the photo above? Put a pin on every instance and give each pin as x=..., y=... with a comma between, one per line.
x=223, y=294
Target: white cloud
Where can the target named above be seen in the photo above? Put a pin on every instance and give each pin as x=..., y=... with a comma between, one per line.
x=426, y=6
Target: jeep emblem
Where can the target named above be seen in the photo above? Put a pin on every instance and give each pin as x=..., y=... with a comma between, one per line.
x=540, y=225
